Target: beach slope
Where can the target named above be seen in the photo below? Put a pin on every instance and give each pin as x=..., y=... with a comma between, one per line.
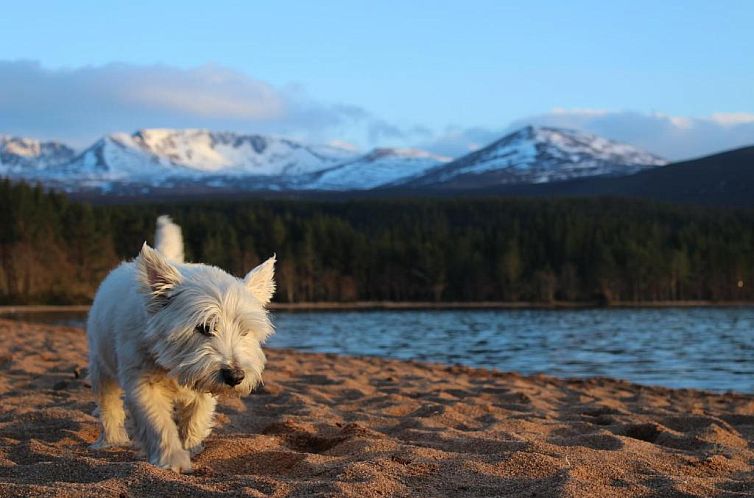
x=328, y=425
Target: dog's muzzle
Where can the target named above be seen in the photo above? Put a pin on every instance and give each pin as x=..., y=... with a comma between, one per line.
x=232, y=376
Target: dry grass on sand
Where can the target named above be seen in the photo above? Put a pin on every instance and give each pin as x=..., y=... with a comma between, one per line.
x=329, y=425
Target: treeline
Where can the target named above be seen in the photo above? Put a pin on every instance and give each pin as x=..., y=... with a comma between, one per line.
x=53, y=250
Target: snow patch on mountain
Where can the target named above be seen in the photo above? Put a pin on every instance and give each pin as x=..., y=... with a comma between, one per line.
x=160, y=153
x=378, y=168
x=541, y=154
x=20, y=155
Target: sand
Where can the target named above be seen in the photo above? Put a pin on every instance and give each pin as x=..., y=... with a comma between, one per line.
x=327, y=425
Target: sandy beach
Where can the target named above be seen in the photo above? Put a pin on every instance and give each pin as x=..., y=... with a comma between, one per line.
x=327, y=425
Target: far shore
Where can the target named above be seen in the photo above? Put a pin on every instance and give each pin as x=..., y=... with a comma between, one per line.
x=418, y=305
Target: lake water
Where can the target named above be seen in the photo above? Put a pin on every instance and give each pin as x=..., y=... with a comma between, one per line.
x=706, y=348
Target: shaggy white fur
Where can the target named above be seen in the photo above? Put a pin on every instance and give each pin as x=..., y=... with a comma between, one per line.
x=171, y=336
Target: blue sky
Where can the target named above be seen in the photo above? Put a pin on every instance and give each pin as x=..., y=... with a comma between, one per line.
x=675, y=77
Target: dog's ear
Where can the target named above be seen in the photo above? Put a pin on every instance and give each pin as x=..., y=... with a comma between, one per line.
x=261, y=281
x=156, y=276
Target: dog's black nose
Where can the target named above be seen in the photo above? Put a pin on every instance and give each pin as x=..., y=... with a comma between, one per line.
x=232, y=376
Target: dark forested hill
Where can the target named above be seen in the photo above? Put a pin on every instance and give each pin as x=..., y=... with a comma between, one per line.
x=725, y=179
x=55, y=250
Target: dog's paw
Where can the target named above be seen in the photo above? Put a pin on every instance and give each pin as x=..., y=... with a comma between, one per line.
x=116, y=441
x=178, y=460
x=195, y=450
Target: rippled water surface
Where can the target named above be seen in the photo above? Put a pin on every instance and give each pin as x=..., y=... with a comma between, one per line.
x=708, y=348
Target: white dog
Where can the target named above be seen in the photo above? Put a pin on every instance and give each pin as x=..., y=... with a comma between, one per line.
x=172, y=336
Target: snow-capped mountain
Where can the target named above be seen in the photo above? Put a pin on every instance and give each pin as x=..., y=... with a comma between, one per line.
x=25, y=155
x=196, y=160
x=378, y=168
x=157, y=154
x=539, y=155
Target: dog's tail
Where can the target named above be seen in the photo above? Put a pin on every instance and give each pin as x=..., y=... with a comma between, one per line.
x=168, y=239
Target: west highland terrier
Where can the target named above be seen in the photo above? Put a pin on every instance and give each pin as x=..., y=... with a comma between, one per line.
x=172, y=336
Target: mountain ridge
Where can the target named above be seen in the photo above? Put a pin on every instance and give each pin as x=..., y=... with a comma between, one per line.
x=541, y=155
x=19, y=153
x=196, y=158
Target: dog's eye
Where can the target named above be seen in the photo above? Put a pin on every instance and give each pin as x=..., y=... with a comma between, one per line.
x=204, y=329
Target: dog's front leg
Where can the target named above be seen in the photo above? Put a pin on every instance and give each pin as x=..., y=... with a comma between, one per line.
x=194, y=416
x=151, y=405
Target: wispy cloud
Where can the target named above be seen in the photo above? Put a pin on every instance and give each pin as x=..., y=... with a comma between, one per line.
x=673, y=137
x=455, y=141
x=733, y=118
x=81, y=103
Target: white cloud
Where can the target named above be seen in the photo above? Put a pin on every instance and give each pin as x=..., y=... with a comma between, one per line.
x=82, y=103
x=582, y=111
x=343, y=144
x=732, y=118
x=456, y=141
x=207, y=91
x=673, y=137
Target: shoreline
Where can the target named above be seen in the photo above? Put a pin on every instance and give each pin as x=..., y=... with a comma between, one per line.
x=7, y=319
x=421, y=305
